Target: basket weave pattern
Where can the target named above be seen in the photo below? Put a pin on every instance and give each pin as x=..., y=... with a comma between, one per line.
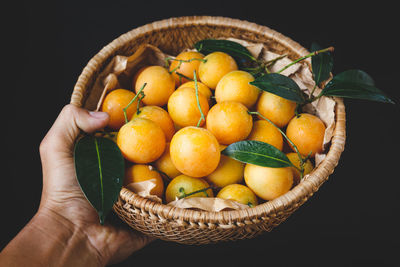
x=202, y=227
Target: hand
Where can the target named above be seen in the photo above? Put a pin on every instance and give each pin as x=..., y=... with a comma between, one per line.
x=65, y=216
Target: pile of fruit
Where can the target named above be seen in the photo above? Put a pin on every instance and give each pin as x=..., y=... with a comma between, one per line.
x=178, y=120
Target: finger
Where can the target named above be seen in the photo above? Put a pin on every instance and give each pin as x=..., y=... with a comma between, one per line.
x=68, y=125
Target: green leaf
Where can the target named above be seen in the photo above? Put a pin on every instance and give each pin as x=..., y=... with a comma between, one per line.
x=257, y=153
x=99, y=167
x=321, y=64
x=236, y=50
x=280, y=85
x=355, y=84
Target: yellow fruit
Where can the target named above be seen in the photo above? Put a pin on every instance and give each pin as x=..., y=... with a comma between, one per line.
x=307, y=133
x=159, y=116
x=165, y=164
x=229, y=122
x=159, y=85
x=183, y=185
x=140, y=173
x=216, y=66
x=279, y=110
x=268, y=183
x=201, y=87
x=195, y=151
x=141, y=140
x=229, y=171
x=239, y=193
x=294, y=159
x=114, y=103
x=186, y=68
x=265, y=132
x=183, y=108
x=137, y=75
x=235, y=86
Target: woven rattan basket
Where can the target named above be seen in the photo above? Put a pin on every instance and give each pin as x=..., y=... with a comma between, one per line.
x=201, y=227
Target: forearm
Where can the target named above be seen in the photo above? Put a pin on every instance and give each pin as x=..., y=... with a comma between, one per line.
x=50, y=240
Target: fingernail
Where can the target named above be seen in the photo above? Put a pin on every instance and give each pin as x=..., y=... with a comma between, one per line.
x=98, y=114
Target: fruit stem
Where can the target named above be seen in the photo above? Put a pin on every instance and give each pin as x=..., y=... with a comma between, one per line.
x=182, y=61
x=182, y=76
x=142, y=95
x=133, y=100
x=182, y=190
x=271, y=62
x=301, y=169
x=197, y=99
x=329, y=49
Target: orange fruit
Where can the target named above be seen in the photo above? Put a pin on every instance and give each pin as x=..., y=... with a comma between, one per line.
x=307, y=133
x=195, y=151
x=294, y=159
x=235, y=86
x=140, y=173
x=165, y=164
x=159, y=116
x=217, y=64
x=114, y=103
x=229, y=122
x=183, y=184
x=201, y=87
x=278, y=109
x=141, y=140
x=183, y=108
x=239, y=193
x=186, y=68
x=159, y=85
x=268, y=183
x=266, y=132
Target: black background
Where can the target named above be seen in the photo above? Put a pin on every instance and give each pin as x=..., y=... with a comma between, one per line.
x=351, y=221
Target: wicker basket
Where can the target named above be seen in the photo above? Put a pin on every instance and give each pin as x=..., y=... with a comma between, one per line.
x=201, y=227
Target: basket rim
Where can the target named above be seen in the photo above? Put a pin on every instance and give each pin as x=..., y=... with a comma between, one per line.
x=292, y=199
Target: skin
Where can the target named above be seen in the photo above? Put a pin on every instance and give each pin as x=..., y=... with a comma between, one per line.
x=201, y=87
x=235, y=86
x=216, y=66
x=189, y=184
x=239, y=193
x=114, y=103
x=294, y=159
x=159, y=85
x=307, y=133
x=159, y=116
x=141, y=141
x=186, y=68
x=65, y=231
x=140, y=173
x=195, y=151
x=265, y=132
x=183, y=109
x=268, y=183
x=279, y=110
x=229, y=122
x=165, y=164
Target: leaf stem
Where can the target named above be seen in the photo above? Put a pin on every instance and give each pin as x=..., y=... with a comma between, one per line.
x=101, y=215
x=133, y=100
x=197, y=99
x=329, y=49
x=301, y=169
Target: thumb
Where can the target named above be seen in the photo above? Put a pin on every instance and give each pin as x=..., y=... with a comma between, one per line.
x=68, y=125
